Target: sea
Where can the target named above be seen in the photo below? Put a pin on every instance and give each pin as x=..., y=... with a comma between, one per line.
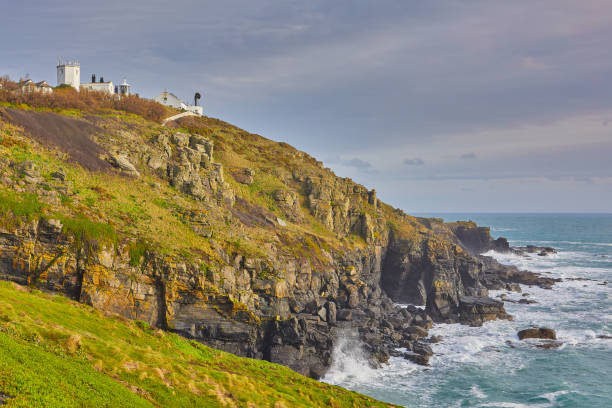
x=488, y=366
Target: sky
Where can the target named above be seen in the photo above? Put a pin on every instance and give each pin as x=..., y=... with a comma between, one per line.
x=441, y=106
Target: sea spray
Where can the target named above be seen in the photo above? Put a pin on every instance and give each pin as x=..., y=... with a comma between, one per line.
x=349, y=360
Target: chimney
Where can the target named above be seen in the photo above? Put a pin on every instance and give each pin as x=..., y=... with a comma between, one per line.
x=93, y=78
x=101, y=79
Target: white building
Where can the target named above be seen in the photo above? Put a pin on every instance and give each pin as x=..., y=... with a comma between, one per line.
x=171, y=100
x=69, y=73
x=29, y=86
x=100, y=86
x=124, y=88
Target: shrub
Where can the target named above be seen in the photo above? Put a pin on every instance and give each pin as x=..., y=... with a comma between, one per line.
x=87, y=101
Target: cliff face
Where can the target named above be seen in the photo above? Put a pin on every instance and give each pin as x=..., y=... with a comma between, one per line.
x=239, y=242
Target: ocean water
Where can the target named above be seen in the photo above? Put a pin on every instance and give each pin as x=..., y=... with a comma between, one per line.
x=488, y=366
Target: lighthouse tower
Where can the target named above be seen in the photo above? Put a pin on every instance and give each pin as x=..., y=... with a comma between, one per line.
x=69, y=73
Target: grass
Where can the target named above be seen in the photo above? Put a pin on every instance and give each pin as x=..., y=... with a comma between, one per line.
x=58, y=353
x=84, y=230
x=19, y=205
x=137, y=251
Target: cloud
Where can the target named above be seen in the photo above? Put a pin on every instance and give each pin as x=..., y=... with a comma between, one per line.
x=534, y=64
x=359, y=164
x=372, y=85
x=414, y=162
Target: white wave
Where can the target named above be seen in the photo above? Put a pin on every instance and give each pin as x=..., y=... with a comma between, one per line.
x=405, y=305
x=477, y=392
x=604, y=244
x=510, y=405
x=349, y=362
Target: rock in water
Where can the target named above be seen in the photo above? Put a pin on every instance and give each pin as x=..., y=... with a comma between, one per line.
x=549, y=345
x=537, y=333
x=477, y=310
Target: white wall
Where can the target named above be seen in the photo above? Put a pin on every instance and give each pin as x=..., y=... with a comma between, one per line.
x=168, y=99
x=194, y=109
x=107, y=87
x=69, y=74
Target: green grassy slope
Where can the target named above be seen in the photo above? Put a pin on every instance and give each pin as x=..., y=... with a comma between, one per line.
x=58, y=353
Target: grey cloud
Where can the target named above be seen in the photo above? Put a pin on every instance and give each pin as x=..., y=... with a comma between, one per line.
x=468, y=156
x=357, y=163
x=342, y=78
x=414, y=162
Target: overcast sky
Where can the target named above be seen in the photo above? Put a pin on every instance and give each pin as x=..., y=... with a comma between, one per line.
x=441, y=106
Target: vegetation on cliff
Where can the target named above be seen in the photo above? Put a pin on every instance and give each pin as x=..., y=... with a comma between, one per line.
x=55, y=352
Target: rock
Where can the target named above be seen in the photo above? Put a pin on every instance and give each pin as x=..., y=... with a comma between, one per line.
x=29, y=171
x=527, y=301
x=155, y=162
x=416, y=332
x=344, y=314
x=243, y=175
x=289, y=203
x=417, y=358
x=541, y=251
x=59, y=175
x=499, y=276
x=604, y=336
x=322, y=313
x=537, y=333
x=423, y=349
x=121, y=161
x=477, y=310
x=180, y=138
x=331, y=313
x=434, y=339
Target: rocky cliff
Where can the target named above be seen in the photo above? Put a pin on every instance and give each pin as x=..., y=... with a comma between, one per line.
x=228, y=238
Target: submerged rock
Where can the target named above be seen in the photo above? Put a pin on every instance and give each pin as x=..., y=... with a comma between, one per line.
x=549, y=345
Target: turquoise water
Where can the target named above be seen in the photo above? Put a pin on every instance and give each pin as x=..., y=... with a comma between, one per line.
x=489, y=366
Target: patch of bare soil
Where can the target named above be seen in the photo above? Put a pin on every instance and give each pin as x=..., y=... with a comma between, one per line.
x=70, y=135
x=252, y=215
